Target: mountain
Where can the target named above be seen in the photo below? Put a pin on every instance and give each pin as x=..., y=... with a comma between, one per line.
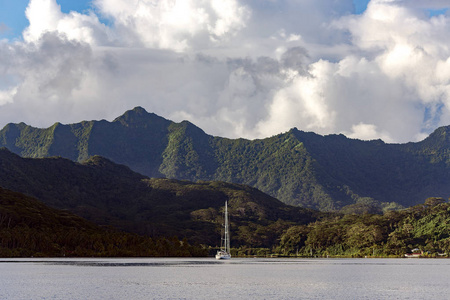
x=109, y=194
x=299, y=168
x=30, y=228
x=132, y=139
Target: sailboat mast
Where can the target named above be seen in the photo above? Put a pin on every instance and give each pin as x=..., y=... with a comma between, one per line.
x=227, y=238
x=224, y=252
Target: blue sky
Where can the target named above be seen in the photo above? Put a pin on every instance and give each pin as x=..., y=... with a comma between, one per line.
x=236, y=68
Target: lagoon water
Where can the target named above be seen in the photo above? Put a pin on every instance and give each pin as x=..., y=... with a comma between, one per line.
x=206, y=278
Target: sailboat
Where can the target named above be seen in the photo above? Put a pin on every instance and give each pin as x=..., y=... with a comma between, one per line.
x=224, y=252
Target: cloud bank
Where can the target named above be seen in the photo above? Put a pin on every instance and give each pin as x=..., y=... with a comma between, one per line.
x=236, y=68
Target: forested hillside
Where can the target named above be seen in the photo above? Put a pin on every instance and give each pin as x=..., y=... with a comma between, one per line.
x=299, y=168
x=115, y=197
x=29, y=228
x=110, y=194
x=424, y=227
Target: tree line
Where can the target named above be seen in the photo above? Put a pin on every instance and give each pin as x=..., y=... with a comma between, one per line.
x=29, y=228
x=425, y=227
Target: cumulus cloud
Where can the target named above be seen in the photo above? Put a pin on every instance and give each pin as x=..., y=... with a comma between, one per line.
x=175, y=25
x=7, y=95
x=40, y=78
x=411, y=52
x=236, y=68
x=367, y=132
x=45, y=16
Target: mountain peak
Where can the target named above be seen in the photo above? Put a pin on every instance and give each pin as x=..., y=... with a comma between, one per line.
x=139, y=109
x=139, y=117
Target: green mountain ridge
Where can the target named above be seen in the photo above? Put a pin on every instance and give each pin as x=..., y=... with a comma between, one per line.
x=299, y=168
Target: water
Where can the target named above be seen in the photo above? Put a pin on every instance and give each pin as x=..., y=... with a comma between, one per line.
x=206, y=278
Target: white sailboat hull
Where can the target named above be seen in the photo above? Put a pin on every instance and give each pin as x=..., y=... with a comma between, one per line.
x=223, y=255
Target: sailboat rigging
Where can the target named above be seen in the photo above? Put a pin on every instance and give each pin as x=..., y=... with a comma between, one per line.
x=224, y=252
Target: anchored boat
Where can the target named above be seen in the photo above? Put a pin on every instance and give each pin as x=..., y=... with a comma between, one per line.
x=224, y=252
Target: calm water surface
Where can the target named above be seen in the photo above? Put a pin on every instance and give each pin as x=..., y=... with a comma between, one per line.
x=207, y=278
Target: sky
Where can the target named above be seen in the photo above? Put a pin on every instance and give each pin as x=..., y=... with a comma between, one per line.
x=377, y=69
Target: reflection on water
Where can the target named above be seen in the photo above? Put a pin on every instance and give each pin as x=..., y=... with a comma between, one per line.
x=207, y=278
x=115, y=263
x=167, y=262
x=164, y=262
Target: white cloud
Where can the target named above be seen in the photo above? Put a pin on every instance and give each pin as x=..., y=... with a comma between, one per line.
x=302, y=102
x=45, y=16
x=236, y=68
x=367, y=132
x=409, y=52
x=176, y=25
x=6, y=96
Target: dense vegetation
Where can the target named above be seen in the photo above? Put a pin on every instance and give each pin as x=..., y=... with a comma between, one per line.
x=425, y=227
x=364, y=184
x=29, y=228
x=110, y=194
x=113, y=196
x=299, y=168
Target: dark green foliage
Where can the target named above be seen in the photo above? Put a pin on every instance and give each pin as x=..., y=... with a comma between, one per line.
x=110, y=194
x=425, y=226
x=299, y=168
x=113, y=195
x=29, y=228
